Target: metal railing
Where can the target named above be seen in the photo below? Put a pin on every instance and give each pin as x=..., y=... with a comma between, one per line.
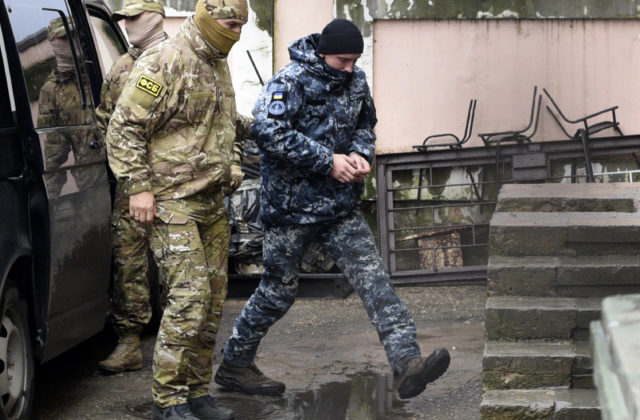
x=434, y=207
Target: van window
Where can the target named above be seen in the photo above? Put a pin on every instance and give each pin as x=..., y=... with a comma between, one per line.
x=50, y=57
x=109, y=45
x=6, y=119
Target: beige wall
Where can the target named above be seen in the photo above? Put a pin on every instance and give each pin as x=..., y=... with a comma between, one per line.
x=426, y=71
x=295, y=19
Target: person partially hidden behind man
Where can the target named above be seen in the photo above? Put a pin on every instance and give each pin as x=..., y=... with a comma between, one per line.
x=314, y=127
x=131, y=310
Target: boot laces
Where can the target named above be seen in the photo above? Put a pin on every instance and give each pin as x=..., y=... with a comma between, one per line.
x=255, y=370
x=123, y=348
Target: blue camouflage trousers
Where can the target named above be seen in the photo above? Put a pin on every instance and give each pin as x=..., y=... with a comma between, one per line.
x=350, y=243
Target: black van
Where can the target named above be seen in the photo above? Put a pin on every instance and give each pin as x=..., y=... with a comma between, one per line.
x=55, y=199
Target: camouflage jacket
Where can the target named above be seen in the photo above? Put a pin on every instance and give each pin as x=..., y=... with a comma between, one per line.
x=59, y=105
x=173, y=131
x=305, y=114
x=113, y=85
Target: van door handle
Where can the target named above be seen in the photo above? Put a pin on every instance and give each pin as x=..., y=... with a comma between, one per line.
x=25, y=175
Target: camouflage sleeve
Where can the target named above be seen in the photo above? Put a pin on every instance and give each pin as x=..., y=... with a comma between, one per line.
x=147, y=101
x=275, y=135
x=107, y=104
x=363, y=140
x=243, y=132
x=57, y=146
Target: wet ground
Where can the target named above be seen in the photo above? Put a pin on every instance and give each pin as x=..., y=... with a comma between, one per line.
x=325, y=351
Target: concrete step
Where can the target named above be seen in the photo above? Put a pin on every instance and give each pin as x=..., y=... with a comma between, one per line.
x=582, y=370
x=535, y=364
x=560, y=234
x=576, y=404
x=615, y=197
x=540, y=404
x=513, y=318
x=583, y=276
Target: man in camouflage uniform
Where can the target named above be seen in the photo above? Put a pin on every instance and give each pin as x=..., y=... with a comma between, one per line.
x=172, y=143
x=60, y=104
x=130, y=300
x=314, y=127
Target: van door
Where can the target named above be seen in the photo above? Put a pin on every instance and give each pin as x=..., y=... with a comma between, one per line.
x=74, y=168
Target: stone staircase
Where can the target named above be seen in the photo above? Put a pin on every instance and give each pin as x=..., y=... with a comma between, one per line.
x=555, y=251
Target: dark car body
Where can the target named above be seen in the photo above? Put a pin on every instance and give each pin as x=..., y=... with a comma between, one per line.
x=55, y=195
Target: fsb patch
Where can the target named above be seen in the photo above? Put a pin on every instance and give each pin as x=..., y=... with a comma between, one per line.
x=148, y=85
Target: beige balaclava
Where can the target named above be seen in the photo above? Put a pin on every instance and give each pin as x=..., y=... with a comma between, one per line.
x=219, y=37
x=59, y=41
x=145, y=30
x=144, y=19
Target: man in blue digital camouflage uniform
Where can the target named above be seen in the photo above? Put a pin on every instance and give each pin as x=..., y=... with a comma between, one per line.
x=314, y=127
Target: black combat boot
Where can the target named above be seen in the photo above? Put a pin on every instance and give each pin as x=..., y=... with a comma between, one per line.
x=418, y=372
x=174, y=412
x=207, y=408
x=249, y=380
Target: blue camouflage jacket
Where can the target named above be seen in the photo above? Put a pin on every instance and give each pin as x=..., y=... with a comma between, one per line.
x=306, y=113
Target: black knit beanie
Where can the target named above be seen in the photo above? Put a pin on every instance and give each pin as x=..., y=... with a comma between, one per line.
x=340, y=36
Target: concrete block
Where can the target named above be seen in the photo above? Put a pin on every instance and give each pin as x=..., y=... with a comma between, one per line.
x=605, y=377
x=610, y=270
x=558, y=234
x=517, y=405
x=577, y=404
x=582, y=276
x=518, y=276
x=603, y=248
x=519, y=318
x=582, y=381
x=602, y=228
x=528, y=364
x=594, y=291
x=567, y=197
x=583, y=362
x=526, y=234
x=588, y=310
x=581, y=334
x=513, y=318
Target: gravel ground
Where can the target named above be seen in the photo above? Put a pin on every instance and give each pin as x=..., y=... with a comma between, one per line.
x=325, y=351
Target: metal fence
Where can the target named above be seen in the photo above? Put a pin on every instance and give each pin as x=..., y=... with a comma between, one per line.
x=434, y=207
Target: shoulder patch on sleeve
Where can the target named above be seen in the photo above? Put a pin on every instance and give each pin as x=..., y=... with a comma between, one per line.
x=278, y=106
x=148, y=85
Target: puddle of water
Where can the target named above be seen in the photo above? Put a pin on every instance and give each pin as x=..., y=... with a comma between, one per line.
x=364, y=396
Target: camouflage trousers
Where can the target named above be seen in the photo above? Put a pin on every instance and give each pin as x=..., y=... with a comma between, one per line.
x=130, y=247
x=350, y=243
x=193, y=257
